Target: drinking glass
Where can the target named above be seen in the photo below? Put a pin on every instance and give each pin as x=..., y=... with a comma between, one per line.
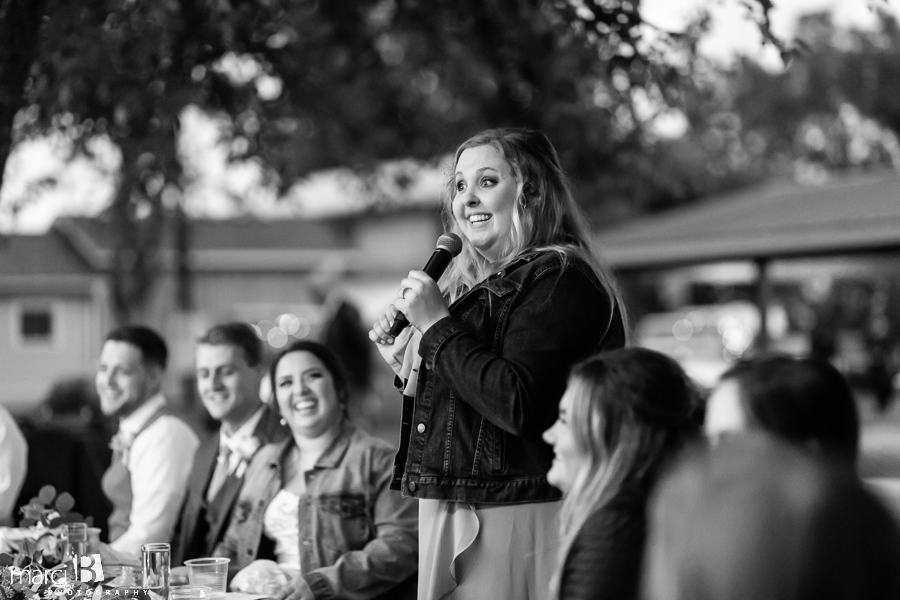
x=209, y=572
x=76, y=538
x=155, y=564
x=93, y=540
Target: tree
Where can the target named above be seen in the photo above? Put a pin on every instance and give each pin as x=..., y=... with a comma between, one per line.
x=304, y=84
x=834, y=109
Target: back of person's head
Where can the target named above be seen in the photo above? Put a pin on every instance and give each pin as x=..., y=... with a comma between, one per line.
x=239, y=335
x=153, y=348
x=756, y=518
x=802, y=400
x=631, y=409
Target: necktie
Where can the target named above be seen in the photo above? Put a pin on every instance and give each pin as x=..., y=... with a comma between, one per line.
x=220, y=474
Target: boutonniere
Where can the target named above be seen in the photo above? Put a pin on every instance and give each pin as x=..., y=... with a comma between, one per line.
x=242, y=511
x=121, y=445
x=244, y=451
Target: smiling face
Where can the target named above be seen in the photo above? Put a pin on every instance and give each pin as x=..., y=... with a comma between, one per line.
x=124, y=381
x=306, y=395
x=485, y=190
x=568, y=458
x=228, y=386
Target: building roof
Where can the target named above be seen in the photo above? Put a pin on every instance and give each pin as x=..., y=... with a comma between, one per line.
x=847, y=215
x=236, y=243
x=46, y=254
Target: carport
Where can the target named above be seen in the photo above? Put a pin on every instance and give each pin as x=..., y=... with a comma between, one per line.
x=846, y=215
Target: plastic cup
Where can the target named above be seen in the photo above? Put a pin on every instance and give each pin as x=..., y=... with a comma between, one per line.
x=189, y=592
x=209, y=572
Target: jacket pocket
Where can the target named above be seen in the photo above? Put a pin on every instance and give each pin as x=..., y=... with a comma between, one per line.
x=489, y=448
x=346, y=524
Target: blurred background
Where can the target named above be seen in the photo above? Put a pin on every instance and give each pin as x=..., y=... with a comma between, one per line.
x=184, y=163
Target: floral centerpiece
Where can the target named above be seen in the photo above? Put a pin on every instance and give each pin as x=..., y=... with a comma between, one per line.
x=31, y=560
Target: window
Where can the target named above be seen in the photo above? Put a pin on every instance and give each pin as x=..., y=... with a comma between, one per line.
x=36, y=325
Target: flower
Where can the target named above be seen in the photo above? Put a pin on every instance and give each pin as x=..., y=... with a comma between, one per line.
x=242, y=511
x=241, y=454
x=121, y=444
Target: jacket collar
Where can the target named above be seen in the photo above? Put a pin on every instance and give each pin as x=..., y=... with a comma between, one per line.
x=504, y=281
x=332, y=456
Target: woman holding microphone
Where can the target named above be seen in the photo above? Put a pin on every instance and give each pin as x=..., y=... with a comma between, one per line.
x=485, y=362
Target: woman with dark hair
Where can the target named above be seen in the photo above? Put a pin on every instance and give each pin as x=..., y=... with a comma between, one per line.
x=315, y=517
x=485, y=362
x=623, y=415
x=755, y=517
x=804, y=401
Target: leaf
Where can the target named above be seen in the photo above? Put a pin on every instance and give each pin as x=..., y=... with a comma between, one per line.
x=47, y=494
x=64, y=502
x=6, y=560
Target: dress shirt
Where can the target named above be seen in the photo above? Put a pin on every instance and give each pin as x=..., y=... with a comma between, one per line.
x=13, y=460
x=159, y=461
x=234, y=449
x=236, y=440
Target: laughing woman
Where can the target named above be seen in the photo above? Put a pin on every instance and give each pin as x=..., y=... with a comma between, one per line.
x=623, y=415
x=318, y=505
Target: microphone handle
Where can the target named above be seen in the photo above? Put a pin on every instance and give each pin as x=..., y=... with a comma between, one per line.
x=434, y=268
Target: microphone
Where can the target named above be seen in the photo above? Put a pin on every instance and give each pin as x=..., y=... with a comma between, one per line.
x=448, y=246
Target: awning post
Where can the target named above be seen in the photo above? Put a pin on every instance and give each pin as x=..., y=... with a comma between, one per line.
x=761, y=297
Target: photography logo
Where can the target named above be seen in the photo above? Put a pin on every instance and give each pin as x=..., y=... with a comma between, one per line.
x=60, y=582
x=89, y=569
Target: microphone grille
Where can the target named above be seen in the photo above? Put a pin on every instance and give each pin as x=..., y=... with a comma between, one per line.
x=450, y=243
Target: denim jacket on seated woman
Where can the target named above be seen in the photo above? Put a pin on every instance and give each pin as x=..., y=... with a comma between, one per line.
x=358, y=539
x=491, y=378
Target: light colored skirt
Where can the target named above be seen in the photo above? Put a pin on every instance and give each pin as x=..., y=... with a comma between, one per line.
x=472, y=551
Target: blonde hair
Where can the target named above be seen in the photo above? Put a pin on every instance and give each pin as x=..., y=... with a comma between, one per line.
x=632, y=409
x=545, y=216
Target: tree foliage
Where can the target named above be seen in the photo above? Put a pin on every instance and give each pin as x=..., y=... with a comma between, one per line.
x=309, y=84
x=834, y=109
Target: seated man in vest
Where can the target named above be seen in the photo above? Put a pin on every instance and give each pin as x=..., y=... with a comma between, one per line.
x=229, y=369
x=153, y=450
x=13, y=464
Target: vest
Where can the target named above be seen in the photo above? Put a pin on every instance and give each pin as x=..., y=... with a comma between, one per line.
x=116, y=484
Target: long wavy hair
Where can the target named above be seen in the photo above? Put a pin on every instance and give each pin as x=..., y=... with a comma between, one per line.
x=545, y=215
x=632, y=410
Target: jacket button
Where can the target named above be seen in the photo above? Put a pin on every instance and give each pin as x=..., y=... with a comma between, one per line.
x=411, y=486
x=420, y=427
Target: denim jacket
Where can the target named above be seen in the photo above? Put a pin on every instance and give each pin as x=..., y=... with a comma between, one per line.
x=491, y=378
x=358, y=539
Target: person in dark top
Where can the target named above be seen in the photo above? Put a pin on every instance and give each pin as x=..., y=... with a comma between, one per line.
x=485, y=361
x=623, y=414
x=758, y=517
x=803, y=401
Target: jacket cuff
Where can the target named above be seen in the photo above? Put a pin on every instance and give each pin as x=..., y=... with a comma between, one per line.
x=435, y=337
x=314, y=585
